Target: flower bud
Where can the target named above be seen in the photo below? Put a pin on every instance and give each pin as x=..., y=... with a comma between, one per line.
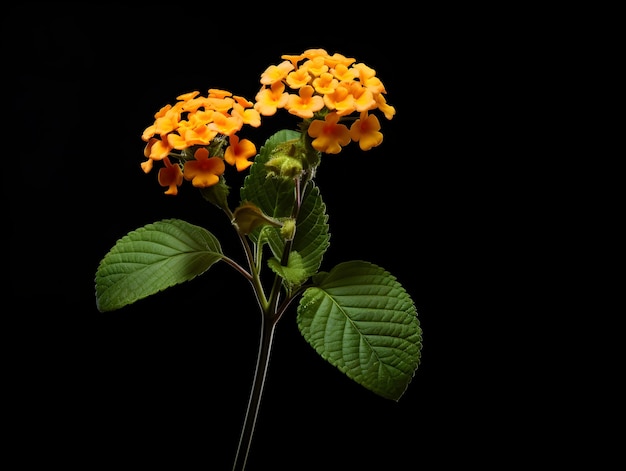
x=288, y=231
x=284, y=166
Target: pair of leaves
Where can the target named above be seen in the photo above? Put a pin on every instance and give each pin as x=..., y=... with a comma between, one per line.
x=357, y=317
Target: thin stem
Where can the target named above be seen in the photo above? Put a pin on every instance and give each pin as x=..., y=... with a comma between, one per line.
x=254, y=275
x=237, y=267
x=254, y=402
x=275, y=290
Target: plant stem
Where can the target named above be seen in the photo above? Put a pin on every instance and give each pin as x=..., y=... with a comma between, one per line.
x=271, y=313
x=265, y=347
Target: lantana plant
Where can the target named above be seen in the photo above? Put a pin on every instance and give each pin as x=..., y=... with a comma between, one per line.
x=356, y=315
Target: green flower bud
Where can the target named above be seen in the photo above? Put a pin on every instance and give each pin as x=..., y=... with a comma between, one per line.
x=288, y=231
x=284, y=166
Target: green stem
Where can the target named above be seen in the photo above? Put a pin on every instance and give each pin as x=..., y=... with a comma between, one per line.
x=263, y=358
x=271, y=313
x=254, y=275
x=238, y=267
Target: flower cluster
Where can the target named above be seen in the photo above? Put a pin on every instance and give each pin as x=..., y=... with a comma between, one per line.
x=326, y=90
x=198, y=128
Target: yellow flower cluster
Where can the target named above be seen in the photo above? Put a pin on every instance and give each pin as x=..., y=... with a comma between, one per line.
x=327, y=89
x=196, y=120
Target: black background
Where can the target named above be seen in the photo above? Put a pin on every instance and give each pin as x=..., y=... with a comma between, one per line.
x=164, y=382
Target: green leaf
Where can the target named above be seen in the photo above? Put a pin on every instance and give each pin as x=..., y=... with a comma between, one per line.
x=151, y=259
x=294, y=274
x=274, y=196
x=362, y=321
x=312, y=238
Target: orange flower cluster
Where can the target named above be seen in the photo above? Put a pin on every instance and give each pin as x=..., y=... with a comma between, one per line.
x=198, y=121
x=327, y=89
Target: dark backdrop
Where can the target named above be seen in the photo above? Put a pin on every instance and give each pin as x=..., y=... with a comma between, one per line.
x=164, y=382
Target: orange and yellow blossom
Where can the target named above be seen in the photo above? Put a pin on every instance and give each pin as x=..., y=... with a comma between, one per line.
x=169, y=121
x=325, y=83
x=317, y=66
x=198, y=136
x=363, y=98
x=338, y=59
x=366, y=131
x=305, y=103
x=342, y=73
x=276, y=73
x=365, y=72
x=312, y=53
x=157, y=149
x=238, y=152
x=199, y=117
x=268, y=100
x=170, y=176
x=194, y=104
x=219, y=93
x=388, y=110
x=223, y=105
x=225, y=124
x=294, y=59
x=148, y=164
x=340, y=100
x=151, y=130
x=205, y=171
x=329, y=136
x=331, y=61
x=187, y=97
x=248, y=116
x=298, y=78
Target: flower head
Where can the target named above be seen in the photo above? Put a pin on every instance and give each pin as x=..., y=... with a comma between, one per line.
x=324, y=90
x=190, y=127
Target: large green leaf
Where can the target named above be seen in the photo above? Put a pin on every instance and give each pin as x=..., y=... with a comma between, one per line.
x=361, y=320
x=151, y=259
